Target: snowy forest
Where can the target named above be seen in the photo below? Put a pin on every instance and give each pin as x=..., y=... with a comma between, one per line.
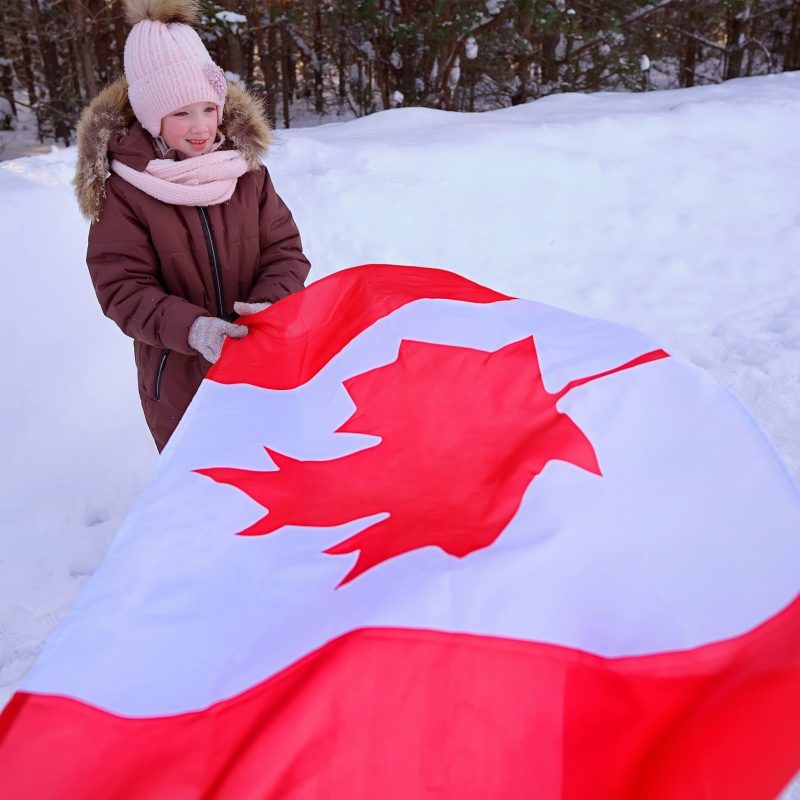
x=349, y=58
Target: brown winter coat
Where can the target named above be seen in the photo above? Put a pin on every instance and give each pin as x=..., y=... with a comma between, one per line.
x=153, y=264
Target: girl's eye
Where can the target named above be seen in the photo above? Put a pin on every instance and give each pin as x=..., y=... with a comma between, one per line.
x=211, y=109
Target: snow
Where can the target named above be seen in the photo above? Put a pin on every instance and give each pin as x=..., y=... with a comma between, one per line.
x=368, y=50
x=22, y=139
x=674, y=212
x=231, y=17
x=233, y=21
x=455, y=74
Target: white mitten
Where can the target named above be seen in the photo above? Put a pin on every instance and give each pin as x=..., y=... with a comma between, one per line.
x=208, y=333
x=245, y=309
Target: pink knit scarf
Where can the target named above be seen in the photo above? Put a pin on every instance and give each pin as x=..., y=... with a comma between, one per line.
x=199, y=181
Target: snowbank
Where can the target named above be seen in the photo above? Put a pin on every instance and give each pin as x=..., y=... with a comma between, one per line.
x=674, y=212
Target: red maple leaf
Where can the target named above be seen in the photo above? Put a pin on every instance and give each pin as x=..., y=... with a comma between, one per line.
x=462, y=432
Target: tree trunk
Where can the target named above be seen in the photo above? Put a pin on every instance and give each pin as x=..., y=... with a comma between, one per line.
x=286, y=81
x=118, y=16
x=549, y=60
x=54, y=77
x=792, y=58
x=251, y=40
x=101, y=41
x=736, y=37
x=84, y=57
x=231, y=57
x=319, y=96
x=411, y=62
x=690, y=50
x=6, y=75
x=27, y=68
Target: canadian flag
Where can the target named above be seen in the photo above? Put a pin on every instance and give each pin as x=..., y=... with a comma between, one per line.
x=417, y=539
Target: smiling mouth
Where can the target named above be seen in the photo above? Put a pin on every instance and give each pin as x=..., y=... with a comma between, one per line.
x=197, y=142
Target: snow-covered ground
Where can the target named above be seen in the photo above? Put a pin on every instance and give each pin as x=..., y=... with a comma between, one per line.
x=22, y=139
x=675, y=212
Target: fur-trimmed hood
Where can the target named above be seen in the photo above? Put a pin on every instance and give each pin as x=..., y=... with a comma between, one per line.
x=108, y=123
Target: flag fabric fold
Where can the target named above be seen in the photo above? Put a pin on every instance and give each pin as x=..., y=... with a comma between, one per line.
x=415, y=538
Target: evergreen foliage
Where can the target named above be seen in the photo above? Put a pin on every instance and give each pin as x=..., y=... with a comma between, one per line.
x=354, y=57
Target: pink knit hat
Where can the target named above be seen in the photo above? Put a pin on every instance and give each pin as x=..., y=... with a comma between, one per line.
x=166, y=64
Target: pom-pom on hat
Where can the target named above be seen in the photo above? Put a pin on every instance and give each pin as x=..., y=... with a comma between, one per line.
x=166, y=64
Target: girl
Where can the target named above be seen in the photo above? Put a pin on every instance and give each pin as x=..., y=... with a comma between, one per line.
x=187, y=231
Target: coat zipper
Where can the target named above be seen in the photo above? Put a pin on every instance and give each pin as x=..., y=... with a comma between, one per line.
x=160, y=372
x=212, y=255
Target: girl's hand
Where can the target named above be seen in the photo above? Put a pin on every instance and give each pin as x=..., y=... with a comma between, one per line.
x=207, y=335
x=245, y=309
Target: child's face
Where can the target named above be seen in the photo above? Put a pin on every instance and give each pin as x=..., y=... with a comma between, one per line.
x=191, y=130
